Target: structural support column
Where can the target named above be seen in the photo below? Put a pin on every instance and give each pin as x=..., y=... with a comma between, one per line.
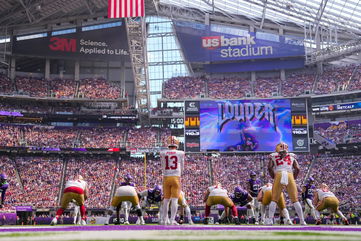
x=47, y=69
x=77, y=71
x=13, y=68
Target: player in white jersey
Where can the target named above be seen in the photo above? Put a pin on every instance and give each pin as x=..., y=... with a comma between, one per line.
x=284, y=169
x=217, y=195
x=129, y=194
x=265, y=198
x=172, y=161
x=74, y=190
x=325, y=199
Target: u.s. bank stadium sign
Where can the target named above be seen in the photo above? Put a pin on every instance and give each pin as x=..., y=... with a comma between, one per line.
x=107, y=44
x=203, y=43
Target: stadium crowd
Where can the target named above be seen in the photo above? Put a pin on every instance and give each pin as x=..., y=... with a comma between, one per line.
x=295, y=84
x=340, y=132
x=219, y=88
x=342, y=174
x=91, y=88
x=39, y=178
x=99, y=172
x=98, y=89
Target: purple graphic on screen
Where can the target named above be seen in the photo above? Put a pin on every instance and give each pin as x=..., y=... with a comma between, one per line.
x=245, y=125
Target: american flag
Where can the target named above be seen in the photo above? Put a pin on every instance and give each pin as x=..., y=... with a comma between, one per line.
x=125, y=8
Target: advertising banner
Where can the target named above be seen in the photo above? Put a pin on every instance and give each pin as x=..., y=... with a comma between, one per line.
x=104, y=44
x=211, y=43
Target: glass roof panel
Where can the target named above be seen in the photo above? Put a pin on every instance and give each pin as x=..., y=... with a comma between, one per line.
x=341, y=13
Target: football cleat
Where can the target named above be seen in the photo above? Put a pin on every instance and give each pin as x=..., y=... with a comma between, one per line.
x=268, y=221
x=126, y=223
x=345, y=221
x=303, y=223
x=289, y=222
x=83, y=222
x=54, y=221
x=318, y=222
x=174, y=223
x=236, y=221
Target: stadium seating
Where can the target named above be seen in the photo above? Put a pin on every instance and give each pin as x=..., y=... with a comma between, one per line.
x=340, y=132
x=99, y=172
x=6, y=85
x=40, y=177
x=342, y=174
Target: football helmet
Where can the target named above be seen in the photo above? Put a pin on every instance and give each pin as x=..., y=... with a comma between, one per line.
x=238, y=192
x=157, y=190
x=282, y=147
x=3, y=176
x=252, y=174
x=310, y=180
x=128, y=178
x=172, y=141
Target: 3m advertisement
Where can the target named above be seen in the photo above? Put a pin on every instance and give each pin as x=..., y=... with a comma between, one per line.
x=104, y=44
x=245, y=125
x=208, y=43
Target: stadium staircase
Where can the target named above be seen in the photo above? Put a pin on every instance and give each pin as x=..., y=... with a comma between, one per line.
x=352, y=77
x=313, y=161
x=76, y=94
x=18, y=177
x=323, y=141
x=210, y=170
x=116, y=176
x=62, y=180
x=314, y=86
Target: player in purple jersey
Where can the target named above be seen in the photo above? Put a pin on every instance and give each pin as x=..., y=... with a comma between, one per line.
x=254, y=184
x=3, y=187
x=152, y=197
x=307, y=197
x=240, y=197
x=128, y=181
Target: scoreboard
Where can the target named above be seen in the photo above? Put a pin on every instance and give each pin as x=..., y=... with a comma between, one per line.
x=251, y=125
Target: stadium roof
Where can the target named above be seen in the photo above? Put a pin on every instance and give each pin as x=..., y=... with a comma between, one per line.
x=343, y=14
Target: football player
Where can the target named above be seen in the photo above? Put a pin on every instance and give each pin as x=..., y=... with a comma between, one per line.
x=307, y=197
x=152, y=197
x=217, y=195
x=239, y=197
x=284, y=169
x=265, y=197
x=125, y=193
x=172, y=161
x=4, y=185
x=125, y=208
x=325, y=199
x=184, y=208
x=253, y=186
x=74, y=190
x=77, y=217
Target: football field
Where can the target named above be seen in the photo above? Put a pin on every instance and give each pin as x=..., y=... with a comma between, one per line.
x=183, y=232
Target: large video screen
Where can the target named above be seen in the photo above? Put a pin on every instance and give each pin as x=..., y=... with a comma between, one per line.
x=245, y=125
